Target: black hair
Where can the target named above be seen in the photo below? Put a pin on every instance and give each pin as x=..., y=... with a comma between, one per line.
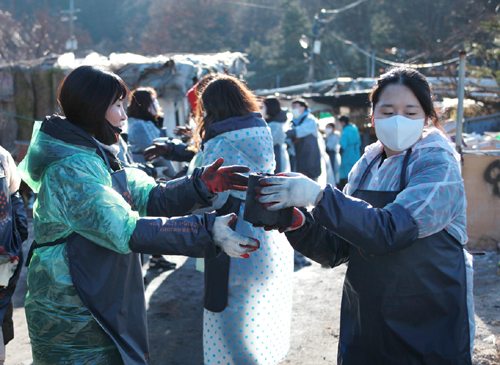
x=414, y=81
x=86, y=94
x=301, y=102
x=140, y=100
x=344, y=119
x=273, y=108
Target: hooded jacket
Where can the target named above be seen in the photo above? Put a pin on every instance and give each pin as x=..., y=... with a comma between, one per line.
x=75, y=195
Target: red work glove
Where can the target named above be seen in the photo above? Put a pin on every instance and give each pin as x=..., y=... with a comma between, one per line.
x=218, y=179
x=297, y=221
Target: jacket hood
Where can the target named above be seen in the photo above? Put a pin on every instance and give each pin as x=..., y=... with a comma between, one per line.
x=54, y=139
x=244, y=141
x=250, y=120
x=301, y=117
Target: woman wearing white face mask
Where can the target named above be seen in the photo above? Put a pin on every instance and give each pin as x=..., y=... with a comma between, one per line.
x=401, y=225
x=332, y=144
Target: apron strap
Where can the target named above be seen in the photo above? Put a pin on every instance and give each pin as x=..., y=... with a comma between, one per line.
x=367, y=171
x=35, y=245
x=402, y=179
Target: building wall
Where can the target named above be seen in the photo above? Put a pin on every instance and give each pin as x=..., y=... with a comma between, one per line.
x=483, y=202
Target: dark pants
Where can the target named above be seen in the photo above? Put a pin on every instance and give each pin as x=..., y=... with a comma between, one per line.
x=332, y=155
x=8, y=324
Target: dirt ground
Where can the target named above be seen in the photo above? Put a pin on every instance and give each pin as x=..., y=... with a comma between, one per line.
x=175, y=315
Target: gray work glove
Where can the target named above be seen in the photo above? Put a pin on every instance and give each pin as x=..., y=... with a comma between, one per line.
x=289, y=190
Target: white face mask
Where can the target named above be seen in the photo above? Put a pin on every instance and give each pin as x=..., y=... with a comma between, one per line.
x=399, y=133
x=296, y=113
x=328, y=130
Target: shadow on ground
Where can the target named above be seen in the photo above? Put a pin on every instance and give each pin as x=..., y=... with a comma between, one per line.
x=487, y=309
x=175, y=316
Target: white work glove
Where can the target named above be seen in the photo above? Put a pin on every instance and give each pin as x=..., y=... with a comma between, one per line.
x=231, y=242
x=289, y=190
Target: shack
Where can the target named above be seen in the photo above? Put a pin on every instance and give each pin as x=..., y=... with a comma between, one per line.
x=28, y=89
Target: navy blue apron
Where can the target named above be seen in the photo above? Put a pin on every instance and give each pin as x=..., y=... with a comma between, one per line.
x=10, y=246
x=406, y=307
x=111, y=286
x=10, y=242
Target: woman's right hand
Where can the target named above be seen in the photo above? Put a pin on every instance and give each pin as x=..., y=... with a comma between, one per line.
x=289, y=190
x=230, y=241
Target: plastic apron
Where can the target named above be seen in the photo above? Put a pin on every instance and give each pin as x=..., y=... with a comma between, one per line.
x=405, y=307
x=111, y=286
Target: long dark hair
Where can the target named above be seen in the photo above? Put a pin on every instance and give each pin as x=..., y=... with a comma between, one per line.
x=224, y=97
x=85, y=95
x=273, y=108
x=413, y=80
x=140, y=100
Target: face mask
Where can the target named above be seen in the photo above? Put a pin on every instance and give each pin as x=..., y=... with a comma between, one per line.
x=296, y=113
x=399, y=133
x=328, y=130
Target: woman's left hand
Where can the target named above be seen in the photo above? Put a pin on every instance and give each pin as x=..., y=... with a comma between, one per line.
x=219, y=179
x=289, y=190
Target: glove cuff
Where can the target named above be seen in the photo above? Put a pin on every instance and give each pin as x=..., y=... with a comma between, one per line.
x=298, y=220
x=319, y=196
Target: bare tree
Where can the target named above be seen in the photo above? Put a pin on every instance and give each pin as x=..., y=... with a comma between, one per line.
x=33, y=36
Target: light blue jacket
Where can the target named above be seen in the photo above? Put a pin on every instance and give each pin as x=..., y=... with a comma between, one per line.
x=350, y=142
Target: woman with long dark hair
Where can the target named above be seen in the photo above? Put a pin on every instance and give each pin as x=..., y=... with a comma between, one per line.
x=247, y=302
x=401, y=226
x=85, y=302
x=145, y=119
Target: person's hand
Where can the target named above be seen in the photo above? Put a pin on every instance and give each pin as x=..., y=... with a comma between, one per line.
x=288, y=190
x=291, y=133
x=296, y=221
x=157, y=150
x=230, y=241
x=218, y=179
x=184, y=131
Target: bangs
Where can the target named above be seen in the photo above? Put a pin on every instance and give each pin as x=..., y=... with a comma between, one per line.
x=120, y=89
